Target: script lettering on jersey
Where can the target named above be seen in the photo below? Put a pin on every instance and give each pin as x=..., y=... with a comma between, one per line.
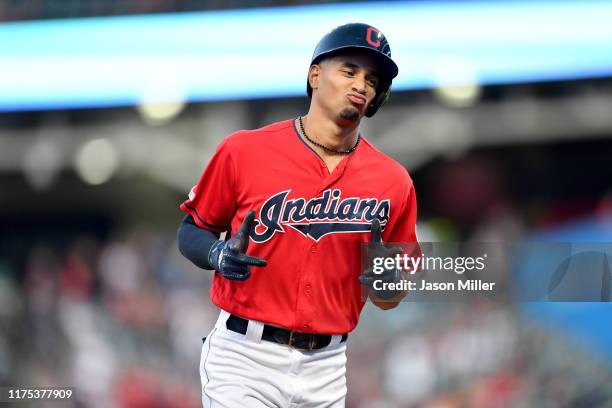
x=317, y=217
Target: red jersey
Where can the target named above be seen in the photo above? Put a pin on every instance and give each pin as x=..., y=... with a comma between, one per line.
x=309, y=224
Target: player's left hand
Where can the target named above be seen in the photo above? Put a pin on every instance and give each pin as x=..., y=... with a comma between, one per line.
x=229, y=257
x=377, y=249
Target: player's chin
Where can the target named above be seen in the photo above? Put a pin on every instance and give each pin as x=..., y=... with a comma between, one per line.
x=350, y=114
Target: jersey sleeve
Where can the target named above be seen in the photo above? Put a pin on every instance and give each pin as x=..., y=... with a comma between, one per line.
x=212, y=202
x=403, y=228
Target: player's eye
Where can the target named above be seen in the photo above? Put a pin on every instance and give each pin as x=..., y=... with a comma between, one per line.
x=348, y=72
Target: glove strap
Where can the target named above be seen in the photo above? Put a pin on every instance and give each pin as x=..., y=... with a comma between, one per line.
x=215, y=255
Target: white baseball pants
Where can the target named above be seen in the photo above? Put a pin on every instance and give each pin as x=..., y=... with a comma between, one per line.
x=239, y=370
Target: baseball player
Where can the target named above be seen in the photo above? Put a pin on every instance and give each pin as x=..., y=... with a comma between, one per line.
x=297, y=199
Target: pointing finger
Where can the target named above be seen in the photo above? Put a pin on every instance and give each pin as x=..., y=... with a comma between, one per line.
x=375, y=232
x=240, y=241
x=366, y=279
x=247, y=224
x=250, y=260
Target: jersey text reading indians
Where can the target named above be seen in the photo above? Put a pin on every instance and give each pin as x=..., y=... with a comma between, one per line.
x=327, y=214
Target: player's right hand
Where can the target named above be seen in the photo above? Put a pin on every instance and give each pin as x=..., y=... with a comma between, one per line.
x=229, y=257
x=377, y=249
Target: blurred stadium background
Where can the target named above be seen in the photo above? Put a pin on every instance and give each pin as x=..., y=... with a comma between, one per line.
x=109, y=111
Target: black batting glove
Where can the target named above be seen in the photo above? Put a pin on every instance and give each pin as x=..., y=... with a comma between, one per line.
x=229, y=257
x=376, y=249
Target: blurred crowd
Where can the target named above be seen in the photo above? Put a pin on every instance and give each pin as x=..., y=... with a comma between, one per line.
x=121, y=320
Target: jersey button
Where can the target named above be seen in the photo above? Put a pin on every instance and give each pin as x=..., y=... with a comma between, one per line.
x=306, y=326
x=313, y=248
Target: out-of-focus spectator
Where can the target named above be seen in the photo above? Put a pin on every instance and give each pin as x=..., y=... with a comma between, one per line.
x=130, y=313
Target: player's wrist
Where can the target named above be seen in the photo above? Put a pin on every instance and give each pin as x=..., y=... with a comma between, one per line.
x=215, y=254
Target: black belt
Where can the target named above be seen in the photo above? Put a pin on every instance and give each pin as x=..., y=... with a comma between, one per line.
x=297, y=340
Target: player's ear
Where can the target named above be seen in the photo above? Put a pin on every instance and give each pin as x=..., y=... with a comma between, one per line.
x=313, y=76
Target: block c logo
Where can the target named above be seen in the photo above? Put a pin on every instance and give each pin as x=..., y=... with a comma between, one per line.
x=369, y=38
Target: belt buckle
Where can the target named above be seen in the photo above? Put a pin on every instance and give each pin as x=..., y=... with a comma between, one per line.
x=311, y=342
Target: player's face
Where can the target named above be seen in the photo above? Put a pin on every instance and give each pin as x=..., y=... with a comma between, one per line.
x=346, y=85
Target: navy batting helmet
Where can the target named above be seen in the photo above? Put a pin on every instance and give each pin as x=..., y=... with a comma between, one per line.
x=359, y=37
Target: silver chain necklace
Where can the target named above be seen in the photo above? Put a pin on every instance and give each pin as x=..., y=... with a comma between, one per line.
x=327, y=149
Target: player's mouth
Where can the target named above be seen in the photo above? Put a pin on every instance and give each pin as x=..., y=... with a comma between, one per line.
x=356, y=99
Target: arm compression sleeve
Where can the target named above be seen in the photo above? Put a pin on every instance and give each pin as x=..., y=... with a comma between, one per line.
x=195, y=242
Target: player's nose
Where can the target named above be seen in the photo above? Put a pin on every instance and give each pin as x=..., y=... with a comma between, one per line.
x=359, y=84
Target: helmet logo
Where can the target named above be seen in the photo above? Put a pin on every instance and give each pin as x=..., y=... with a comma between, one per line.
x=386, y=50
x=369, y=38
